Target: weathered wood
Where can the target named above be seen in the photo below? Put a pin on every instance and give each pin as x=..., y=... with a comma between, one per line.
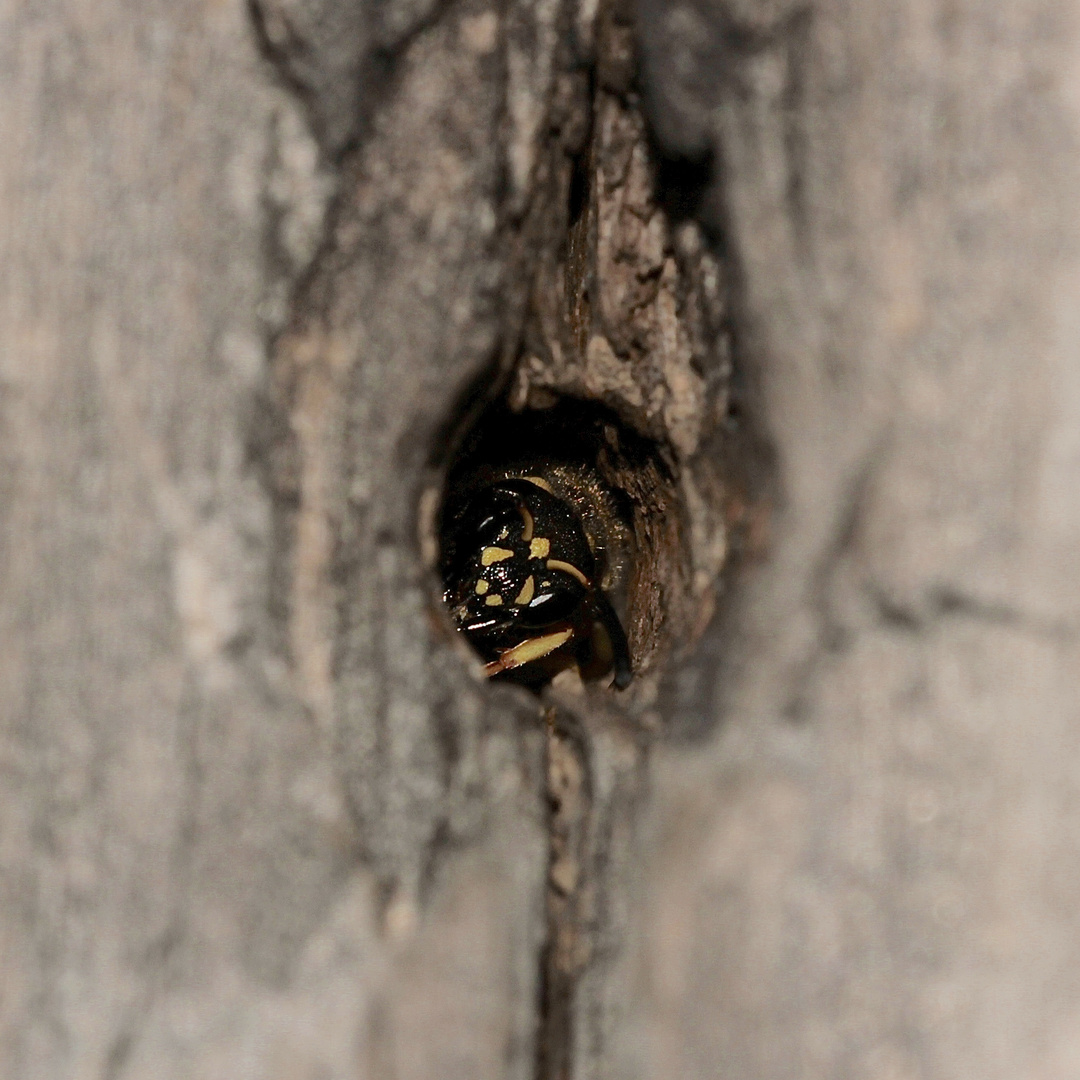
x=203, y=875
x=258, y=817
x=871, y=871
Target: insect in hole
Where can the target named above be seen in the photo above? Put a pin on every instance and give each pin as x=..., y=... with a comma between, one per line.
x=521, y=582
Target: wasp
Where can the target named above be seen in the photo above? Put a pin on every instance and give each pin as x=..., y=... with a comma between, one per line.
x=522, y=582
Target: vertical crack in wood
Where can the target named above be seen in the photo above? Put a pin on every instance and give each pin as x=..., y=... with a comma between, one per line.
x=565, y=948
x=595, y=781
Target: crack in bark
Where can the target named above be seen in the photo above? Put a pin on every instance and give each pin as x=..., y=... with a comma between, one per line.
x=922, y=614
x=561, y=958
x=945, y=601
x=341, y=64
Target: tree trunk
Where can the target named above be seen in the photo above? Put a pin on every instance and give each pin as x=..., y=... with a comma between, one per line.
x=261, y=816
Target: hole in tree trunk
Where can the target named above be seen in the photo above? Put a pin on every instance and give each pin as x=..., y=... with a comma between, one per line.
x=562, y=542
x=611, y=425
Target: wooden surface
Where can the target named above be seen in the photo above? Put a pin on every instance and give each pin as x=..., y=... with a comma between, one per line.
x=257, y=816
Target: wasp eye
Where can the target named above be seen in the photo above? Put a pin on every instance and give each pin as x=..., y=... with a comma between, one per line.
x=495, y=527
x=552, y=605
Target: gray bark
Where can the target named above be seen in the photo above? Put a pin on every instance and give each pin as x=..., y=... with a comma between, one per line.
x=260, y=817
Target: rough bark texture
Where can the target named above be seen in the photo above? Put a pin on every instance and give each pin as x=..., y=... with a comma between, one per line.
x=258, y=815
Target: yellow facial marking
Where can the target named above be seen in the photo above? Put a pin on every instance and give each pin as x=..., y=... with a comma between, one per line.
x=494, y=600
x=528, y=651
x=540, y=483
x=527, y=591
x=567, y=568
x=482, y=587
x=539, y=547
x=527, y=531
x=495, y=554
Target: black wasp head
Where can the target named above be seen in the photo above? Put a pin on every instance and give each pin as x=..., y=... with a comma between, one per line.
x=519, y=562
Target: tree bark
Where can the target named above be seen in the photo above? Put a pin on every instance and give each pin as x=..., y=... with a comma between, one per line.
x=260, y=816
